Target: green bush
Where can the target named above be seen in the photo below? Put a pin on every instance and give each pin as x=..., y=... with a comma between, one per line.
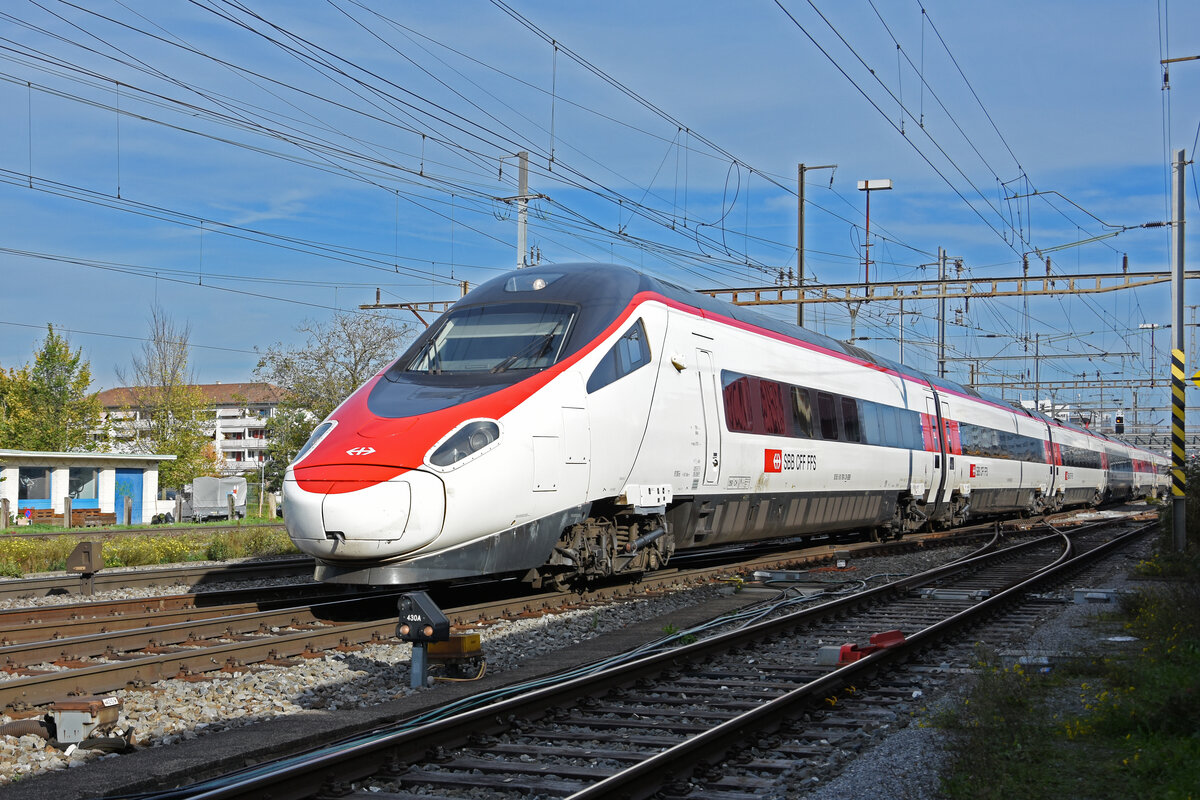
x=218, y=550
x=24, y=555
x=1138, y=734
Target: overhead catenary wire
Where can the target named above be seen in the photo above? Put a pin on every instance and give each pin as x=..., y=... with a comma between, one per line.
x=720, y=257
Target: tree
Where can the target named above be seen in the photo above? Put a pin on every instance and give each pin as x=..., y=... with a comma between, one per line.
x=162, y=389
x=338, y=356
x=47, y=406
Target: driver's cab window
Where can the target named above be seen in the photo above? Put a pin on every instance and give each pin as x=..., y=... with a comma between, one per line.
x=629, y=353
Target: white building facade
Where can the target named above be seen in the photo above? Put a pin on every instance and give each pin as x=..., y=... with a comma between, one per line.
x=33, y=480
x=238, y=414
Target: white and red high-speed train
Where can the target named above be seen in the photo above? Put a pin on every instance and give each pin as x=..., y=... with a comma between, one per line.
x=569, y=422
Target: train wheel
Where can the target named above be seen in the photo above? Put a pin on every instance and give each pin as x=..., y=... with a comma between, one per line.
x=557, y=581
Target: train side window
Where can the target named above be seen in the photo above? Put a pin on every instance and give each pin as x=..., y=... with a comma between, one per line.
x=828, y=414
x=629, y=353
x=771, y=396
x=802, y=423
x=892, y=430
x=891, y=427
x=739, y=415
x=868, y=422
x=916, y=439
x=850, y=423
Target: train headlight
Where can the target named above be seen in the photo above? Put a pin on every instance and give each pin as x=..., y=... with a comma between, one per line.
x=469, y=439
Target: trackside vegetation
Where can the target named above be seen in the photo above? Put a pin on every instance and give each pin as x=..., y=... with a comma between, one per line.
x=1121, y=725
x=22, y=555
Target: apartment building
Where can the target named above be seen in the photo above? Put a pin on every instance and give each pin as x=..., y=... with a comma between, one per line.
x=236, y=420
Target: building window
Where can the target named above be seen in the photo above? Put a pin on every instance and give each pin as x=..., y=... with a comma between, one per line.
x=82, y=483
x=237, y=455
x=33, y=483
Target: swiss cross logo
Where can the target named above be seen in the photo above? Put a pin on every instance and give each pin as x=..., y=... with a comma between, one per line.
x=360, y=451
x=972, y=470
x=773, y=461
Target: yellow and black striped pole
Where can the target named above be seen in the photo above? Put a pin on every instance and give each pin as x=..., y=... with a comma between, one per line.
x=1178, y=406
x=1178, y=500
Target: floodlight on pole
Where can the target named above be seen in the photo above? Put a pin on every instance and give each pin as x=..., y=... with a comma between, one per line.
x=869, y=186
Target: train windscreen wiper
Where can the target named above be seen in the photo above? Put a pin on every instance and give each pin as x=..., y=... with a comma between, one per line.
x=535, y=349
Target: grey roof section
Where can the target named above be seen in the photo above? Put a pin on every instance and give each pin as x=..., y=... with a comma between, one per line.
x=610, y=275
x=88, y=456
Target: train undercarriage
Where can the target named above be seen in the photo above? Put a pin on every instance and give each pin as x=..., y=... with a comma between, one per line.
x=615, y=540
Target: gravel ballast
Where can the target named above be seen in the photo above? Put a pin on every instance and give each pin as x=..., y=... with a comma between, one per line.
x=214, y=726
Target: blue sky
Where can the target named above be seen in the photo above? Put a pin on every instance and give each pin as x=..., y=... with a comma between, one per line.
x=251, y=166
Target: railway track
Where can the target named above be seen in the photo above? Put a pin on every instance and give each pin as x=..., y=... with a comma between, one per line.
x=176, y=574
x=101, y=646
x=728, y=717
x=298, y=566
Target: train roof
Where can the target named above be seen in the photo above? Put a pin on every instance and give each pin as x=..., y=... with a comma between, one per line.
x=615, y=286
x=612, y=287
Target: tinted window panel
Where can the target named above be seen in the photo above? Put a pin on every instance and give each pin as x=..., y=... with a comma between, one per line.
x=496, y=338
x=850, y=419
x=828, y=414
x=629, y=353
x=875, y=420
x=738, y=415
x=802, y=422
x=771, y=396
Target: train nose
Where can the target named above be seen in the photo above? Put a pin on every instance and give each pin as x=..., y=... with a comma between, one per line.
x=339, y=518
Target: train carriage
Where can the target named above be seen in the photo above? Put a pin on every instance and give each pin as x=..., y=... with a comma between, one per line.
x=568, y=422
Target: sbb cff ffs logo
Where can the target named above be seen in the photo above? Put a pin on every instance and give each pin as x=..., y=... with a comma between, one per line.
x=789, y=461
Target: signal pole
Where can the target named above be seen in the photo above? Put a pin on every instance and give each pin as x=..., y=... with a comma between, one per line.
x=522, y=200
x=941, y=311
x=869, y=186
x=522, y=206
x=800, y=170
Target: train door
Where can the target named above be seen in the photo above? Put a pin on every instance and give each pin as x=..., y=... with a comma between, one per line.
x=576, y=466
x=1051, y=447
x=710, y=395
x=616, y=411
x=937, y=428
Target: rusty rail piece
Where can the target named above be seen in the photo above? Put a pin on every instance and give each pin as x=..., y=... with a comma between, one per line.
x=109, y=579
x=35, y=623
x=332, y=769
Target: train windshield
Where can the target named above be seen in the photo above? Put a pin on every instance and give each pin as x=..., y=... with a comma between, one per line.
x=496, y=338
